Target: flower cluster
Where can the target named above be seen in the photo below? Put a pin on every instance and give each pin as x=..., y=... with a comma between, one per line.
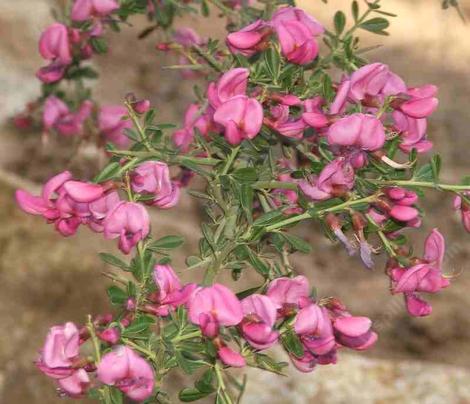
x=276, y=141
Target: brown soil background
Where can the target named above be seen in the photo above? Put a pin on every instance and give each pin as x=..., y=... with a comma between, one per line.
x=46, y=279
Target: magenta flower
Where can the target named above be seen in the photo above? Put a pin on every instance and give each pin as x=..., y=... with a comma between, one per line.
x=51, y=73
x=54, y=44
x=363, y=131
x=289, y=294
x=60, y=351
x=112, y=125
x=308, y=361
x=128, y=372
x=232, y=83
x=63, y=202
x=314, y=327
x=153, y=177
x=341, y=98
x=187, y=37
x=422, y=102
x=285, y=124
x=375, y=79
x=230, y=358
x=313, y=115
x=194, y=119
x=128, y=221
x=212, y=307
x=110, y=335
x=76, y=384
x=100, y=208
x=335, y=178
x=258, y=321
x=412, y=132
x=426, y=276
x=354, y=332
x=83, y=10
x=56, y=115
x=462, y=206
x=296, y=31
x=242, y=118
x=250, y=39
x=170, y=293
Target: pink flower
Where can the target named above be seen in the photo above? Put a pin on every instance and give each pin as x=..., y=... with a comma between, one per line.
x=460, y=204
x=128, y=372
x=412, y=132
x=308, y=361
x=335, y=178
x=422, y=102
x=363, y=131
x=76, y=384
x=313, y=115
x=56, y=115
x=170, y=293
x=296, y=31
x=60, y=351
x=232, y=83
x=63, y=202
x=250, y=39
x=212, y=307
x=313, y=325
x=342, y=93
x=112, y=125
x=284, y=124
x=110, y=335
x=375, y=79
x=289, y=293
x=187, y=37
x=231, y=358
x=54, y=44
x=83, y=10
x=242, y=118
x=100, y=208
x=258, y=322
x=153, y=177
x=354, y=332
x=425, y=276
x=194, y=119
x=130, y=222
x=51, y=73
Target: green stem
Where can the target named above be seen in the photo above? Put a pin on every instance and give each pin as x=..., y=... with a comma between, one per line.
x=143, y=350
x=136, y=122
x=360, y=20
x=424, y=184
x=274, y=185
x=230, y=160
x=208, y=58
x=171, y=159
x=307, y=215
x=191, y=335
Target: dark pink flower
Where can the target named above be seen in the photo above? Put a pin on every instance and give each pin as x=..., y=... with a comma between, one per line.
x=128, y=372
x=214, y=306
x=422, y=102
x=241, y=117
x=296, y=31
x=289, y=294
x=194, y=120
x=128, y=221
x=83, y=10
x=335, y=178
x=76, y=384
x=462, y=206
x=354, y=332
x=259, y=318
x=170, y=293
x=230, y=84
x=363, y=131
x=231, y=358
x=283, y=123
x=54, y=44
x=112, y=125
x=250, y=39
x=56, y=115
x=412, y=132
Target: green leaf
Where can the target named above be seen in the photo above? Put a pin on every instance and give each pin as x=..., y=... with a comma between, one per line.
x=206, y=383
x=117, y=295
x=424, y=173
x=204, y=8
x=291, y=343
x=376, y=25
x=273, y=62
x=436, y=167
x=99, y=44
x=191, y=394
x=340, y=22
x=138, y=327
x=166, y=243
x=355, y=10
x=269, y=218
x=245, y=175
x=110, y=171
x=114, y=261
x=297, y=243
x=265, y=362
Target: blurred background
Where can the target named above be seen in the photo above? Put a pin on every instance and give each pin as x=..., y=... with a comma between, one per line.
x=46, y=279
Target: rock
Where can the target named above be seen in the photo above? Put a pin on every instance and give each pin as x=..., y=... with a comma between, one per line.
x=359, y=379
